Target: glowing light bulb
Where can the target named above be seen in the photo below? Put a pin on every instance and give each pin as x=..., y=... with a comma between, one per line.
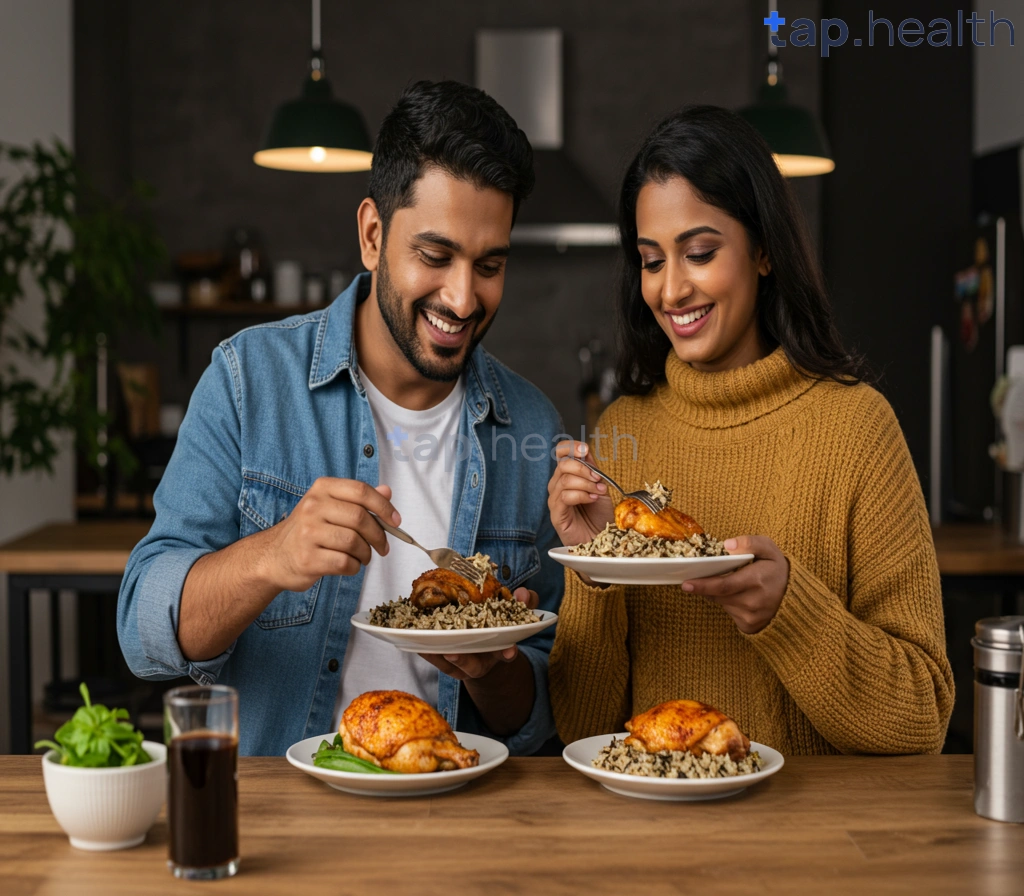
x=317, y=153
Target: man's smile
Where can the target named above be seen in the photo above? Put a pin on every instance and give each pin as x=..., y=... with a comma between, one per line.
x=444, y=332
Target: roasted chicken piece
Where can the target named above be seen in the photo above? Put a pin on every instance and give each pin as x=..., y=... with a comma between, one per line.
x=670, y=524
x=687, y=725
x=398, y=731
x=437, y=587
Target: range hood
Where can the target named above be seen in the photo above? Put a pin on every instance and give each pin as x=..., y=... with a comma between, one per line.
x=522, y=69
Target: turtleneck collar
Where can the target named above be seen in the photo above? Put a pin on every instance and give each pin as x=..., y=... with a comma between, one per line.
x=731, y=397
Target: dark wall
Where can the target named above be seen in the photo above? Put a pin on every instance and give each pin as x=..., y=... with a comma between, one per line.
x=897, y=205
x=179, y=93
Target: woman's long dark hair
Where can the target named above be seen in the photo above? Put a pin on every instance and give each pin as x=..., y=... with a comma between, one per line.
x=730, y=166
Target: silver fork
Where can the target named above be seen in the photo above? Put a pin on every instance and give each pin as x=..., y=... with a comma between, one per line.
x=643, y=496
x=445, y=558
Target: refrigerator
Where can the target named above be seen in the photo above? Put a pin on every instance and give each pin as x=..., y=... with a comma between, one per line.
x=983, y=317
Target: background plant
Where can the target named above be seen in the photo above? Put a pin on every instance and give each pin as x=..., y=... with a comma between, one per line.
x=89, y=256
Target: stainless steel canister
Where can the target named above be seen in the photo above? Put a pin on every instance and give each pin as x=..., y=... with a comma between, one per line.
x=999, y=718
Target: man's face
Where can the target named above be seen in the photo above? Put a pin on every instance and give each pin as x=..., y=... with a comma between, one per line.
x=442, y=271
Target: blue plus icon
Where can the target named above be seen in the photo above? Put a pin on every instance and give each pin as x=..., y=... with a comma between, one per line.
x=397, y=436
x=773, y=21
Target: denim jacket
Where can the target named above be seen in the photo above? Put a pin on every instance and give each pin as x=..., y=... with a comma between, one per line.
x=280, y=405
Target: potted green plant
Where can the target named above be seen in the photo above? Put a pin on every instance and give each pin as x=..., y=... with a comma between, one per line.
x=104, y=783
x=88, y=257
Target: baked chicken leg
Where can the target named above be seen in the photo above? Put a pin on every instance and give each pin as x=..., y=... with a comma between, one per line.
x=398, y=731
x=687, y=725
x=437, y=587
x=671, y=524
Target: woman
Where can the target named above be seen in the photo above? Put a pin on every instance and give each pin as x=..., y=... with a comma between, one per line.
x=741, y=397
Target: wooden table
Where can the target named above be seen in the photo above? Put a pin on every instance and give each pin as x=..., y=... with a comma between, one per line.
x=87, y=557
x=835, y=825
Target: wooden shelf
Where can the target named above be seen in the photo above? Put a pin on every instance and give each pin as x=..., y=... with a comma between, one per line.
x=239, y=309
x=123, y=503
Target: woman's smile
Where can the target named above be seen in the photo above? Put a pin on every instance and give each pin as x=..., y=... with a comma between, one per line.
x=691, y=320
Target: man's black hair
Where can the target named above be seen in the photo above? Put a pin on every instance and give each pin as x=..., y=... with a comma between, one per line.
x=457, y=128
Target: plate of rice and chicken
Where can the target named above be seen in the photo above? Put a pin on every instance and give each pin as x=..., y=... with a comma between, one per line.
x=679, y=750
x=646, y=548
x=447, y=613
x=392, y=744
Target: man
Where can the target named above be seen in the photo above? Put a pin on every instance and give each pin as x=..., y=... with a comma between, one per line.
x=385, y=403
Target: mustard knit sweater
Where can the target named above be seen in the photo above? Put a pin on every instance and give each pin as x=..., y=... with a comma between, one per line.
x=854, y=660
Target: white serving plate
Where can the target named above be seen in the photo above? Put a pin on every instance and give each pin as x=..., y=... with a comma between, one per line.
x=492, y=754
x=463, y=640
x=582, y=752
x=649, y=570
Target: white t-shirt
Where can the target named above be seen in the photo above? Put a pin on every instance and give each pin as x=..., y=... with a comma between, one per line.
x=417, y=459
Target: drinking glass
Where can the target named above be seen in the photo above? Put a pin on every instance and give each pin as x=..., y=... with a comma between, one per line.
x=201, y=731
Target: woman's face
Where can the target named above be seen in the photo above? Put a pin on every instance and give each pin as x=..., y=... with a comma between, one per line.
x=699, y=276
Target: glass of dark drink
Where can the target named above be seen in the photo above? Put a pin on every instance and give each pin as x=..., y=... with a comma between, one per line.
x=201, y=730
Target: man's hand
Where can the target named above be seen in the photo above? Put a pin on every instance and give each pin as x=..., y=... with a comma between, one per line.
x=751, y=595
x=328, y=533
x=500, y=683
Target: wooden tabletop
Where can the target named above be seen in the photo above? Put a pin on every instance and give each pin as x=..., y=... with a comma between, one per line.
x=95, y=547
x=825, y=824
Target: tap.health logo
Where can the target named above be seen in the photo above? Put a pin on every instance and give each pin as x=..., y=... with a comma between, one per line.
x=828, y=34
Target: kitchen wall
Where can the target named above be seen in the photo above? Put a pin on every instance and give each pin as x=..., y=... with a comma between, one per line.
x=179, y=93
x=35, y=104
x=898, y=204
x=998, y=76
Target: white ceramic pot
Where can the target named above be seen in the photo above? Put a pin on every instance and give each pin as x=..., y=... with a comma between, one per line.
x=106, y=808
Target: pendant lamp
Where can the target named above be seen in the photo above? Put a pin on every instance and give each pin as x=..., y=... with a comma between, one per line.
x=795, y=135
x=316, y=132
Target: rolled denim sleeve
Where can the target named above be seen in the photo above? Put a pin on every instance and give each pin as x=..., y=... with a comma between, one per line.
x=196, y=513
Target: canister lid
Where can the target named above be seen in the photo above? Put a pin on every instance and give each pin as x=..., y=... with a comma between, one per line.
x=1000, y=631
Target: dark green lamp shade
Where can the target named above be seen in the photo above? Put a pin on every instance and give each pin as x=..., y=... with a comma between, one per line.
x=316, y=133
x=797, y=140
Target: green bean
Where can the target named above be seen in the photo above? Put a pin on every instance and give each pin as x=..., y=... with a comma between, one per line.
x=341, y=761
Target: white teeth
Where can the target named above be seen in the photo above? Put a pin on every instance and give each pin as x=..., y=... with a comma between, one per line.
x=444, y=326
x=683, y=319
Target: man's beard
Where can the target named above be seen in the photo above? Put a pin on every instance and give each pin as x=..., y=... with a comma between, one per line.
x=439, y=363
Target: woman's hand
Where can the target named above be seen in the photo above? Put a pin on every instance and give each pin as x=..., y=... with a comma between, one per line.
x=577, y=497
x=751, y=594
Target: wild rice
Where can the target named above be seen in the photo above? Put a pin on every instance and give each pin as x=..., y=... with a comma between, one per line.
x=630, y=760
x=616, y=542
x=494, y=613
x=483, y=563
x=662, y=494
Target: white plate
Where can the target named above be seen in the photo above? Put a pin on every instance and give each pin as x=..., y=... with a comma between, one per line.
x=649, y=570
x=461, y=640
x=492, y=754
x=582, y=752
